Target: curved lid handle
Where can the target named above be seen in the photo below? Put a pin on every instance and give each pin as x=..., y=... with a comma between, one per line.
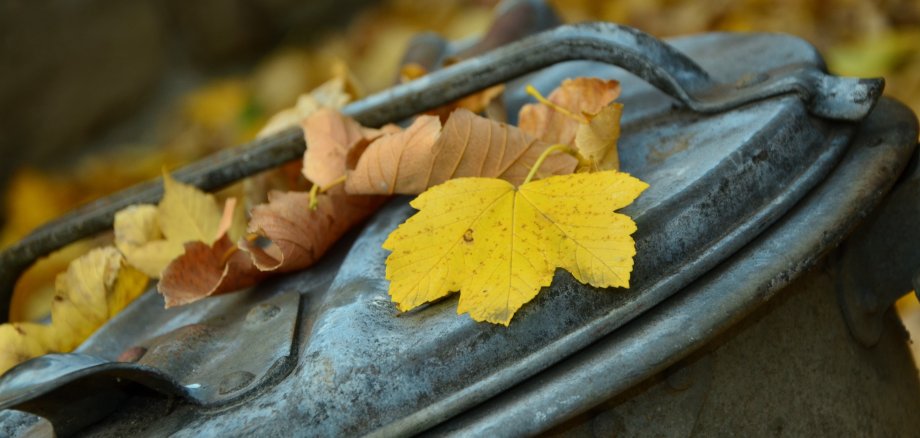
x=637, y=52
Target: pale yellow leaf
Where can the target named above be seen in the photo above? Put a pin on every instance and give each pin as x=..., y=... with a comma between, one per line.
x=138, y=237
x=498, y=245
x=187, y=214
x=94, y=287
x=21, y=341
x=597, y=140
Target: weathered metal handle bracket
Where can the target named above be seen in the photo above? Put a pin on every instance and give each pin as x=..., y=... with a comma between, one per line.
x=649, y=58
x=881, y=261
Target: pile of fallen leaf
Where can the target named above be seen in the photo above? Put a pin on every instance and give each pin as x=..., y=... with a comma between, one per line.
x=501, y=207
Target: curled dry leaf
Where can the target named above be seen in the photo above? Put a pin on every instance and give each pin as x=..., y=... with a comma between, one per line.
x=95, y=287
x=206, y=270
x=579, y=113
x=296, y=236
x=578, y=96
x=299, y=235
x=209, y=269
x=498, y=244
x=597, y=140
x=425, y=155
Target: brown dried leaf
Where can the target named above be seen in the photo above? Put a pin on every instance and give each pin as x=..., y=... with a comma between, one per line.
x=299, y=235
x=206, y=270
x=425, y=155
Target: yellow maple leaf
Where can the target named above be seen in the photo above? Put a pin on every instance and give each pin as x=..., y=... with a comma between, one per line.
x=152, y=236
x=94, y=288
x=498, y=245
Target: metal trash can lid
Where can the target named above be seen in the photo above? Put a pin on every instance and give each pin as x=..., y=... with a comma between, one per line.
x=728, y=142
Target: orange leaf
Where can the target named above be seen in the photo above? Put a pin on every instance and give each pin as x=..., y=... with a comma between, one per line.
x=425, y=155
x=579, y=96
x=299, y=235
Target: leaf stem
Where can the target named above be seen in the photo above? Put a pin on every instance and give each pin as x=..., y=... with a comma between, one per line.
x=313, y=192
x=338, y=181
x=316, y=190
x=546, y=153
x=227, y=254
x=536, y=94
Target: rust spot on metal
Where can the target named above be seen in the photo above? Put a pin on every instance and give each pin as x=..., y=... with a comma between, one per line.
x=132, y=354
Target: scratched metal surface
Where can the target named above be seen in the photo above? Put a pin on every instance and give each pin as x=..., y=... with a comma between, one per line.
x=716, y=182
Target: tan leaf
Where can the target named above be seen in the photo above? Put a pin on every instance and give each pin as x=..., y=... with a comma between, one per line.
x=93, y=289
x=468, y=145
x=330, y=136
x=578, y=96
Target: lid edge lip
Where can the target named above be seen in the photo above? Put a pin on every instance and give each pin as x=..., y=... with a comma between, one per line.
x=649, y=296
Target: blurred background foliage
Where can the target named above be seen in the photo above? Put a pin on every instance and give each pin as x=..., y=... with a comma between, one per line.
x=97, y=95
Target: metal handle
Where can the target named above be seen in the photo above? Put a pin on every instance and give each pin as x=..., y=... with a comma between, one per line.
x=639, y=53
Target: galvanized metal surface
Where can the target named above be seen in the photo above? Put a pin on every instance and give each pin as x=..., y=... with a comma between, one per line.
x=655, y=62
x=723, y=297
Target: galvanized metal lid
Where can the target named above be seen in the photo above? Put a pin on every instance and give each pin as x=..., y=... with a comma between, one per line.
x=729, y=130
